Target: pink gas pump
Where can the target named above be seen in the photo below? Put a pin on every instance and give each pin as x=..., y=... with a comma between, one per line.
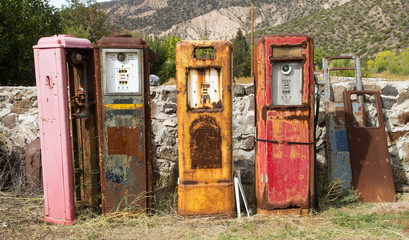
x=52, y=56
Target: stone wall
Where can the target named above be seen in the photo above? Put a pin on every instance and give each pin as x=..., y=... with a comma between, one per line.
x=20, y=124
x=19, y=116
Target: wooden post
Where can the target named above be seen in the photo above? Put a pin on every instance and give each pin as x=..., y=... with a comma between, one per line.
x=252, y=40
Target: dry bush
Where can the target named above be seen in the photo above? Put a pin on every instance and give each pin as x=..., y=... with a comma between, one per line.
x=12, y=176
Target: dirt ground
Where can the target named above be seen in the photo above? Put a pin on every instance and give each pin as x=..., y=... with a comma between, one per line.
x=21, y=217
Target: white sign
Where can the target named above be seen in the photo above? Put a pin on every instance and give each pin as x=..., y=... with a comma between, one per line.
x=122, y=71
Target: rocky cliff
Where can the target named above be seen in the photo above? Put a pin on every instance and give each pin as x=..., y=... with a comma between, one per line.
x=207, y=19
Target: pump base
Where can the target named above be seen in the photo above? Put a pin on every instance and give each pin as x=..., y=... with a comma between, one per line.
x=284, y=212
x=202, y=199
x=58, y=221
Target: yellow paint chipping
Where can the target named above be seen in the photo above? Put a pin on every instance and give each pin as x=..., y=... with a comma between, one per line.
x=122, y=106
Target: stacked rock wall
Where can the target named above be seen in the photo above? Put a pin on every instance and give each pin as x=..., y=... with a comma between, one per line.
x=19, y=123
x=19, y=116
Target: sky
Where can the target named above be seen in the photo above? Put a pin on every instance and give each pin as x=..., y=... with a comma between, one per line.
x=59, y=3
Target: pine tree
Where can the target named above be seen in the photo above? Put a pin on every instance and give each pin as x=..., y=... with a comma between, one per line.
x=241, y=56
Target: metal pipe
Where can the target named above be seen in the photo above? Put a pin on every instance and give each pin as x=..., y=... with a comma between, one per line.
x=236, y=191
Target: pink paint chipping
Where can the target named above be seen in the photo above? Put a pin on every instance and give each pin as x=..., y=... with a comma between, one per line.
x=51, y=81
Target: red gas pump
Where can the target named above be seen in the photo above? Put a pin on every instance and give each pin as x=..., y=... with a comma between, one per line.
x=284, y=98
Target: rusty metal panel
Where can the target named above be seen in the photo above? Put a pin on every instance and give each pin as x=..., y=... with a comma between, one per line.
x=204, y=101
x=124, y=124
x=285, y=142
x=84, y=147
x=205, y=134
x=337, y=151
x=122, y=140
x=33, y=164
x=370, y=161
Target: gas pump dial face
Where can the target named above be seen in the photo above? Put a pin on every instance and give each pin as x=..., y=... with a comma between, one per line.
x=122, y=71
x=287, y=83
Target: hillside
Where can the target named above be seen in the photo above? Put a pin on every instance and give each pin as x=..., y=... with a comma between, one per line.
x=207, y=19
x=359, y=26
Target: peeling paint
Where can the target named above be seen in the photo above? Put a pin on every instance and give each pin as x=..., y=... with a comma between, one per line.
x=285, y=149
x=337, y=151
x=204, y=112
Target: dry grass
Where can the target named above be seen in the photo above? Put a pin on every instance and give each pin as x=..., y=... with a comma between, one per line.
x=12, y=175
x=21, y=218
x=244, y=80
x=390, y=76
x=171, y=81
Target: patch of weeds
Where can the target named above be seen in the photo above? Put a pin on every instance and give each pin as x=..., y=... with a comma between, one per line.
x=91, y=236
x=228, y=236
x=249, y=226
x=348, y=196
x=166, y=202
x=356, y=221
x=400, y=197
x=197, y=237
x=12, y=174
x=333, y=194
x=234, y=229
x=30, y=208
x=288, y=231
x=87, y=213
x=226, y=223
x=250, y=192
x=397, y=220
x=380, y=225
x=369, y=205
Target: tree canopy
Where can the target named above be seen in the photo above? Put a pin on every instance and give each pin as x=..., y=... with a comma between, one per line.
x=397, y=63
x=165, y=49
x=22, y=23
x=83, y=19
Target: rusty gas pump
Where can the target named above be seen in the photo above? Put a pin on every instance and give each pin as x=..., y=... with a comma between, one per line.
x=124, y=123
x=204, y=102
x=284, y=82
x=66, y=102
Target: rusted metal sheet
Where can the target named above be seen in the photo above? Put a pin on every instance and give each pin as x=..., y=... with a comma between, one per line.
x=284, y=123
x=33, y=165
x=206, y=134
x=337, y=151
x=84, y=147
x=204, y=102
x=124, y=123
x=371, y=167
x=122, y=140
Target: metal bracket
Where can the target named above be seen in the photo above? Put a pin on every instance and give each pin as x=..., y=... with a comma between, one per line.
x=238, y=188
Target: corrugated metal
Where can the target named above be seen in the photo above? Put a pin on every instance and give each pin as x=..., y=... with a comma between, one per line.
x=204, y=103
x=285, y=144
